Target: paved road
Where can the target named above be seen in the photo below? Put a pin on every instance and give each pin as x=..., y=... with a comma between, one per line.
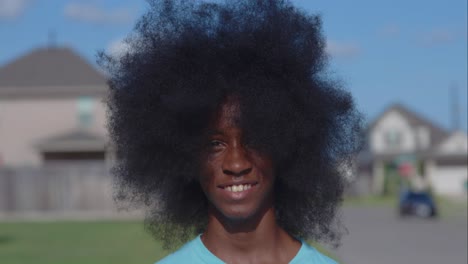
x=378, y=236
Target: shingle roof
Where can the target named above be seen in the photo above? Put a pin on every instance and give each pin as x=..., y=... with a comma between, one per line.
x=56, y=71
x=75, y=140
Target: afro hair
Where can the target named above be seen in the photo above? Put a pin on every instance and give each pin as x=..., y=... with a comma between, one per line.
x=185, y=59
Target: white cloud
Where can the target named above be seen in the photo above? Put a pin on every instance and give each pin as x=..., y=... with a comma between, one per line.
x=94, y=14
x=118, y=48
x=438, y=37
x=13, y=8
x=390, y=31
x=342, y=50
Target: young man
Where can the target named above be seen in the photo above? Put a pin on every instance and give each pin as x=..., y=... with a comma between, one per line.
x=228, y=129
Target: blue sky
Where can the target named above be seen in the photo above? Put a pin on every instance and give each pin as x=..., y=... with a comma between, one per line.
x=409, y=52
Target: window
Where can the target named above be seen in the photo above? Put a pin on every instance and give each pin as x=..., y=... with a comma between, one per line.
x=85, y=111
x=393, y=139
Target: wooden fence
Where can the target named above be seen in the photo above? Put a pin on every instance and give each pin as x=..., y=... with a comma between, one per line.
x=57, y=189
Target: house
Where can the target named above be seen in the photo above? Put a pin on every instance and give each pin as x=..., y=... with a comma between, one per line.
x=53, y=139
x=447, y=165
x=51, y=109
x=398, y=136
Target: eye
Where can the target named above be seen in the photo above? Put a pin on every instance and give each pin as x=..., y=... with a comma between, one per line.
x=215, y=145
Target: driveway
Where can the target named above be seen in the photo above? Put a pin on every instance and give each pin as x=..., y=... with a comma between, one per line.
x=378, y=236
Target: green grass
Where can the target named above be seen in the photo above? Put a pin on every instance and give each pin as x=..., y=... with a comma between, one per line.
x=376, y=200
x=120, y=242
x=323, y=250
x=449, y=207
x=446, y=207
x=66, y=242
x=77, y=242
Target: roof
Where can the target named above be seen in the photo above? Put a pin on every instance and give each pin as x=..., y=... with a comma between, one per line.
x=455, y=144
x=73, y=141
x=54, y=71
x=415, y=120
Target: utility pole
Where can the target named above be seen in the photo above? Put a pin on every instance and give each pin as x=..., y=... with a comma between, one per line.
x=455, y=108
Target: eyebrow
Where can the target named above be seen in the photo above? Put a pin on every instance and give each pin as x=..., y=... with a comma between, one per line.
x=215, y=132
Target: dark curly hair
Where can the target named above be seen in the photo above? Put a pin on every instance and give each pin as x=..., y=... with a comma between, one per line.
x=185, y=59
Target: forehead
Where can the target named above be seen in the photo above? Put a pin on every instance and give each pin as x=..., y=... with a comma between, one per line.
x=228, y=114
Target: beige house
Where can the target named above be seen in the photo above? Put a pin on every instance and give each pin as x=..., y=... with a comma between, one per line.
x=51, y=109
x=399, y=135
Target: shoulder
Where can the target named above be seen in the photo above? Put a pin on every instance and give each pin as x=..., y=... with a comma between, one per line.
x=193, y=252
x=308, y=254
x=185, y=254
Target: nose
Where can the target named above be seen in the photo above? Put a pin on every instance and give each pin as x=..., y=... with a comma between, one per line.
x=236, y=162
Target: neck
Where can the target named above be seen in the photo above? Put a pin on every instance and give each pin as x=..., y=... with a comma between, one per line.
x=241, y=241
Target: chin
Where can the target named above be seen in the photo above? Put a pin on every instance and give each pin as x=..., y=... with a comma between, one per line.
x=237, y=216
x=236, y=213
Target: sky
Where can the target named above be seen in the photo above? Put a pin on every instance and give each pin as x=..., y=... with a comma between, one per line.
x=384, y=52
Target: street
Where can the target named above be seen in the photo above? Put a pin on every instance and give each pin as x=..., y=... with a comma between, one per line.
x=378, y=236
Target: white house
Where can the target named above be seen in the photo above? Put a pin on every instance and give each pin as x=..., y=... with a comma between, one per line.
x=398, y=134
x=447, y=164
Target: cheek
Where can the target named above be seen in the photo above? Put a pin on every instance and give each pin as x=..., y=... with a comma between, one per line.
x=204, y=180
x=265, y=166
x=207, y=175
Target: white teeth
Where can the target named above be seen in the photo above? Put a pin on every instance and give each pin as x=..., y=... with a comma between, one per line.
x=238, y=188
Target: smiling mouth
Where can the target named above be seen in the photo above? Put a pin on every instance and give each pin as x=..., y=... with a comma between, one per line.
x=238, y=187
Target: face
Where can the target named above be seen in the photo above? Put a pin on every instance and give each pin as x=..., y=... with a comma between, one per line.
x=237, y=181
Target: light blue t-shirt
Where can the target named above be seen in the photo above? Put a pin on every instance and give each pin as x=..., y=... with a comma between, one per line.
x=195, y=252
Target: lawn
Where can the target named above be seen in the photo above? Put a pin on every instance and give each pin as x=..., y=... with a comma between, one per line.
x=66, y=242
x=384, y=201
x=446, y=207
x=115, y=242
